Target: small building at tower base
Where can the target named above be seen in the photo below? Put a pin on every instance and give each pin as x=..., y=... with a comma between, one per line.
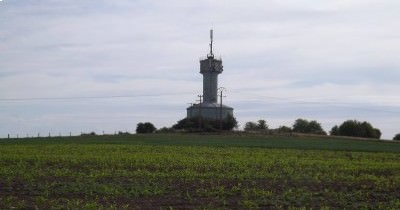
x=209, y=110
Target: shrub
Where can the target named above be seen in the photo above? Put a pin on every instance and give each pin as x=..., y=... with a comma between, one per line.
x=284, y=129
x=146, y=127
x=121, y=133
x=259, y=126
x=397, y=137
x=165, y=130
x=89, y=134
x=334, y=131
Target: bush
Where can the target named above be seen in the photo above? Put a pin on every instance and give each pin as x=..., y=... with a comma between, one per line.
x=357, y=129
x=397, y=137
x=204, y=124
x=165, y=130
x=259, y=126
x=146, y=127
x=121, y=133
x=89, y=134
x=284, y=129
x=250, y=126
x=334, y=131
x=305, y=126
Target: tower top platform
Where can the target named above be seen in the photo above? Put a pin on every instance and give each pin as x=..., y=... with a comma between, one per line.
x=211, y=65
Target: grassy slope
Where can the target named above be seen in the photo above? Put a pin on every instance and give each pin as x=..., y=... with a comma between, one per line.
x=292, y=142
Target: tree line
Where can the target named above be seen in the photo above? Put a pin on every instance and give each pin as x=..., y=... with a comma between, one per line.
x=195, y=124
x=353, y=128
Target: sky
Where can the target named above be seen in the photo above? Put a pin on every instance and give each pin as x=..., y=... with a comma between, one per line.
x=104, y=66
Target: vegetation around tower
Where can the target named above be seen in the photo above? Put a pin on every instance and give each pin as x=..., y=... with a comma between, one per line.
x=196, y=124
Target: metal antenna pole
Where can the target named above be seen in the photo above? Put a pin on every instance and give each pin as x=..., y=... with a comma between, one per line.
x=211, y=39
x=211, y=55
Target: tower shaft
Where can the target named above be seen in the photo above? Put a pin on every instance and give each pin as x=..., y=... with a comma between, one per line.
x=210, y=86
x=210, y=68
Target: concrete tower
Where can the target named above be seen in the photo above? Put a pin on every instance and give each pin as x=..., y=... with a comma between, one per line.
x=210, y=68
x=209, y=107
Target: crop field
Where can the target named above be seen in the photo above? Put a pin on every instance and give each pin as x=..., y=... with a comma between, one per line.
x=177, y=171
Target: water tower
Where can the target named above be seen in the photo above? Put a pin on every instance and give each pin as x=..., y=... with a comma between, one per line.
x=208, y=106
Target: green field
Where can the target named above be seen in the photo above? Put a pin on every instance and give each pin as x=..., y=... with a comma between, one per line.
x=182, y=171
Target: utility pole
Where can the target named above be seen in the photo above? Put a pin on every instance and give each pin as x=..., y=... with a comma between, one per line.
x=200, y=116
x=221, y=89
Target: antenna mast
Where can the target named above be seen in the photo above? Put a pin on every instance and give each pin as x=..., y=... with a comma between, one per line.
x=211, y=44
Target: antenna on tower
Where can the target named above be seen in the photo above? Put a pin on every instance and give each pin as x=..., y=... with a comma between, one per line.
x=211, y=43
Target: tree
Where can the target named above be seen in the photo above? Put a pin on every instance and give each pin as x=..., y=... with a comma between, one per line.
x=357, y=129
x=229, y=123
x=378, y=133
x=305, y=126
x=146, y=127
x=300, y=125
x=262, y=125
x=250, y=126
x=397, y=137
x=315, y=127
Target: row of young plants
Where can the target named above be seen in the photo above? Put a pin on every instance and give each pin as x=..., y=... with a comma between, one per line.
x=120, y=176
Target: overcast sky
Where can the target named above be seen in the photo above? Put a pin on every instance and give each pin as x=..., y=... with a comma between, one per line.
x=320, y=60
